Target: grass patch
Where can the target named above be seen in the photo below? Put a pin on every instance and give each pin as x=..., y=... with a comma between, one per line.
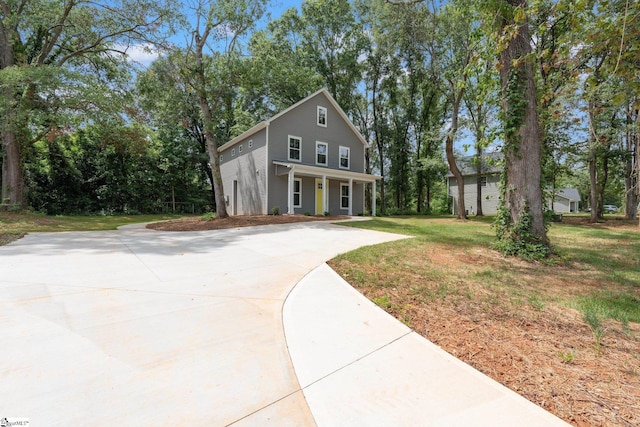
x=532, y=326
x=623, y=307
x=12, y=223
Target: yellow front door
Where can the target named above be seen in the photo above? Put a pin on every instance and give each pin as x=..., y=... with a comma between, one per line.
x=319, y=194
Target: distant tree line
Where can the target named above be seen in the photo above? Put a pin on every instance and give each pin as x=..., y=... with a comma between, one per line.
x=553, y=82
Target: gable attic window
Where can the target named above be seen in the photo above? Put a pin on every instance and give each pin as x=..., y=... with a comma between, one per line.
x=321, y=153
x=344, y=157
x=295, y=148
x=322, y=116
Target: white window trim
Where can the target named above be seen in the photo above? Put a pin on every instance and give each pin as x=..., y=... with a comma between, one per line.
x=233, y=152
x=289, y=148
x=326, y=119
x=348, y=157
x=483, y=181
x=250, y=143
x=326, y=153
x=342, y=185
x=221, y=158
x=240, y=148
x=299, y=181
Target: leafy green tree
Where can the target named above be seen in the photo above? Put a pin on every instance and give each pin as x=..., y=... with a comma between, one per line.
x=333, y=41
x=451, y=38
x=172, y=110
x=520, y=223
x=62, y=62
x=219, y=26
x=280, y=72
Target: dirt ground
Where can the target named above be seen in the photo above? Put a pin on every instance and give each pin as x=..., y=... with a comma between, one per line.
x=537, y=347
x=199, y=224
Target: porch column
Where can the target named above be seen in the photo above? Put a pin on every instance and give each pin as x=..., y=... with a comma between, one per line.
x=373, y=199
x=290, y=193
x=350, y=211
x=325, y=195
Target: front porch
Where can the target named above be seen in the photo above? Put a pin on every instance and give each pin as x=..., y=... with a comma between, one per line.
x=341, y=182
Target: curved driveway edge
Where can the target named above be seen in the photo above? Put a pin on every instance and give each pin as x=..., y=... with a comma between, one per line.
x=140, y=327
x=359, y=366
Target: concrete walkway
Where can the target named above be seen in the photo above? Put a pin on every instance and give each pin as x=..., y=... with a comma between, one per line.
x=138, y=327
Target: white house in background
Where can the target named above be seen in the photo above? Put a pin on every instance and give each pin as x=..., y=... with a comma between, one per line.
x=567, y=200
x=308, y=158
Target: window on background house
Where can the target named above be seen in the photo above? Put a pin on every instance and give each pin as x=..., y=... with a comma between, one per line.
x=297, y=193
x=322, y=116
x=344, y=157
x=220, y=158
x=250, y=144
x=321, y=153
x=233, y=152
x=240, y=148
x=344, y=196
x=295, y=148
x=483, y=181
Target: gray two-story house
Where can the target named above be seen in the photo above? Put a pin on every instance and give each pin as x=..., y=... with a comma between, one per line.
x=308, y=158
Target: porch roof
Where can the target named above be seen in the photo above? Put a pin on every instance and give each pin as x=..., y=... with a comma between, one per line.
x=316, y=171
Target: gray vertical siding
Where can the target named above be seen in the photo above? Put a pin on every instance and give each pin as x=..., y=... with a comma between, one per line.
x=301, y=122
x=248, y=168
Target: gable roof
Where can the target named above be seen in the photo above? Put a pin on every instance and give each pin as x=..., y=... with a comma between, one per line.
x=571, y=194
x=255, y=129
x=491, y=163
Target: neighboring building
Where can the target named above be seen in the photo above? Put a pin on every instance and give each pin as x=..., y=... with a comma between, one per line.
x=308, y=158
x=490, y=182
x=567, y=199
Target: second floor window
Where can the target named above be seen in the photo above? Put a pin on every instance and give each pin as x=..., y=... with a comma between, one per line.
x=321, y=153
x=295, y=148
x=483, y=181
x=344, y=157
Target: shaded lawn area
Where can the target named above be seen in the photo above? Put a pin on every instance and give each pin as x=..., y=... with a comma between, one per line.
x=563, y=333
x=14, y=225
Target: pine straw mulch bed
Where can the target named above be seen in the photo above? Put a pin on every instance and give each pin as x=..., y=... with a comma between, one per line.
x=536, y=346
x=200, y=224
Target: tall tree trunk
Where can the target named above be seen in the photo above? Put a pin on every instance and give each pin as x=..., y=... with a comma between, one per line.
x=522, y=192
x=631, y=179
x=12, y=175
x=479, y=171
x=209, y=133
x=593, y=168
x=453, y=167
x=379, y=143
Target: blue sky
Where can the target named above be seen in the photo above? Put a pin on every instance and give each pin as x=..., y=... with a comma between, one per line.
x=144, y=56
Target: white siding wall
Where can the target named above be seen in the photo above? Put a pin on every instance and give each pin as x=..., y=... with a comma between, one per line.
x=490, y=195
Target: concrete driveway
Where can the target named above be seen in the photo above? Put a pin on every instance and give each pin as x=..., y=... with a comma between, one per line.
x=145, y=328
x=139, y=327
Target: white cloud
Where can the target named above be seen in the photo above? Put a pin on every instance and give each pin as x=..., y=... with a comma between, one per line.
x=140, y=54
